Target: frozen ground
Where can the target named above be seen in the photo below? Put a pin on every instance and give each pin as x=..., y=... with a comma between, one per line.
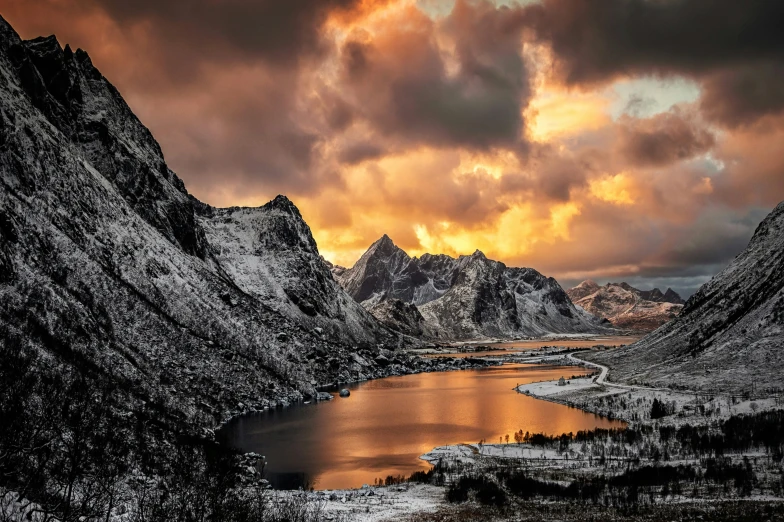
x=374, y=504
x=550, y=388
x=632, y=403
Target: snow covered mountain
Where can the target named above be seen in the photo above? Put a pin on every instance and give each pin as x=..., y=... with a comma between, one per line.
x=730, y=333
x=385, y=271
x=106, y=261
x=625, y=306
x=269, y=253
x=469, y=297
x=403, y=317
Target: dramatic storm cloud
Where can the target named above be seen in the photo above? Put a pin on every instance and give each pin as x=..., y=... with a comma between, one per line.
x=735, y=48
x=629, y=140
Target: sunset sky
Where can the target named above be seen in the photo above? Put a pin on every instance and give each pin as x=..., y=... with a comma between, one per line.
x=634, y=140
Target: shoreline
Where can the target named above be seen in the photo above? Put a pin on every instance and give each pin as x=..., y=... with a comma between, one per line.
x=372, y=503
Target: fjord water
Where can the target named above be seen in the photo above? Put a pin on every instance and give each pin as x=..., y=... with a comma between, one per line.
x=385, y=425
x=510, y=347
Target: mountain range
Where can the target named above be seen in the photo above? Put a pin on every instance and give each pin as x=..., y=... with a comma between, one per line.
x=135, y=318
x=625, y=306
x=469, y=297
x=729, y=335
x=107, y=262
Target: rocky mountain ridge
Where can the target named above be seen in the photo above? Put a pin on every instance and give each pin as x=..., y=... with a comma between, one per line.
x=729, y=335
x=469, y=297
x=107, y=262
x=625, y=306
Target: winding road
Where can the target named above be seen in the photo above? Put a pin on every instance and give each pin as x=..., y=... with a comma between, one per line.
x=602, y=378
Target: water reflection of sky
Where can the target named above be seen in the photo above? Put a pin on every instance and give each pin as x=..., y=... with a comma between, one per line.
x=385, y=425
x=525, y=346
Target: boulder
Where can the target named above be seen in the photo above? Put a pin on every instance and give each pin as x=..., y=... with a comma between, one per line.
x=324, y=396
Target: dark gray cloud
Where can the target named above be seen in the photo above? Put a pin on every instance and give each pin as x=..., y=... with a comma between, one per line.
x=687, y=257
x=715, y=237
x=636, y=104
x=272, y=30
x=402, y=84
x=355, y=153
x=663, y=139
x=735, y=47
x=741, y=95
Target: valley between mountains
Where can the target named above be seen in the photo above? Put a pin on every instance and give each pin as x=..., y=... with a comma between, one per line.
x=135, y=320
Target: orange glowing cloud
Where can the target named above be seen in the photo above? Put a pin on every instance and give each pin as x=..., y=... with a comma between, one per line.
x=557, y=113
x=617, y=189
x=450, y=128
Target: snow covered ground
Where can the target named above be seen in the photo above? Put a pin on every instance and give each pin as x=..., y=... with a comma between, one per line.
x=549, y=388
x=374, y=504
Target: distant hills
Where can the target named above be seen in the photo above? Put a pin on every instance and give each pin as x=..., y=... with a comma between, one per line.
x=469, y=297
x=729, y=335
x=625, y=306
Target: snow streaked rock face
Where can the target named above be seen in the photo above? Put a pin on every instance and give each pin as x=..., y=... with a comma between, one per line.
x=400, y=316
x=470, y=297
x=270, y=253
x=730, y=333
x=386, y=272
x=106, y=261
x=625, y=306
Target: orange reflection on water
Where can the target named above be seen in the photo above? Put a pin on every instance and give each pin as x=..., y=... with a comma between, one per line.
x=385, y=425
x=504, y=347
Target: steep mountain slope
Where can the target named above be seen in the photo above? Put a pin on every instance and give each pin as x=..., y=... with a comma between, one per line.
x=465, y=298
x=625, y=306
x=107, y=262
x=488, y=299
x=270, y=253
x=403, y=317
x=730, y=333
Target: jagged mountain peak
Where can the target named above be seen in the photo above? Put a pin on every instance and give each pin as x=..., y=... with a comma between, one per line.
x=371, y=278
x=654, y=294
x=671, y=296
x=381, y=252
x=384, y=246
x=276, y=226
x=45, y=44
x=468, y=297
x=281, y=202
x=626, y=286
x=8, y=35
x=435, y=258
x=103, y=251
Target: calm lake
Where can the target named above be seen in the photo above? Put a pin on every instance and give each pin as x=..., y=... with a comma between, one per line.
x=506, y=347
x=385, y=425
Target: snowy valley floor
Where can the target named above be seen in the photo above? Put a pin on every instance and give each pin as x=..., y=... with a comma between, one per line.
x=664, y=468
x=649, y=446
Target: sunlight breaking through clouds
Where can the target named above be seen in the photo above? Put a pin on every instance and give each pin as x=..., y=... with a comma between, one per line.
x=503, y=120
